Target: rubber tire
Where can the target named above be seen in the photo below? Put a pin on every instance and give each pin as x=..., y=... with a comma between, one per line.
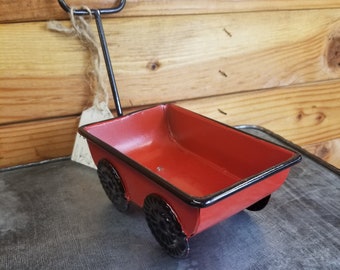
x=259, y=205
x=165, y=227
x=112, y=185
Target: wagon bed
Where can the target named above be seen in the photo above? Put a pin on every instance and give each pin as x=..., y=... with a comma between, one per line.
x=195, y=155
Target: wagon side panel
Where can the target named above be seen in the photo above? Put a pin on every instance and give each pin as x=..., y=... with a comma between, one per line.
x=241, y=200
x=241, y=154
x=138, y=187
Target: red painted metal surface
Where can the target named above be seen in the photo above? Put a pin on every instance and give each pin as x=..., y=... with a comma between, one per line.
x=204, y=170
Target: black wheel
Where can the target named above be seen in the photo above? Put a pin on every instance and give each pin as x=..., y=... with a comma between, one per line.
x=164, y=226
x=112, y=184
x=259, y=205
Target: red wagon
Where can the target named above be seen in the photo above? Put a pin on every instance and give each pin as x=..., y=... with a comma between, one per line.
x=186, y=171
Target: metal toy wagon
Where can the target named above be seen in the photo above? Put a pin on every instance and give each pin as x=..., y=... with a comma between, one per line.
x=186, y=171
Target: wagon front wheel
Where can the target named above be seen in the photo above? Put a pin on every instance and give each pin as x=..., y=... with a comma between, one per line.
x=165, y=227
x=112, y=185
x=259, y=205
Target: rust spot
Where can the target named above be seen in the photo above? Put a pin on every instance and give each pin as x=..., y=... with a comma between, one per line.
x=153, y=65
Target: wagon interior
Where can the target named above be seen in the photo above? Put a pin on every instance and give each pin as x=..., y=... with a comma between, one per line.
x=195, y=154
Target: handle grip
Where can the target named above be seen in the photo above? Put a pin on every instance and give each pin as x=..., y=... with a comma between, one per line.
x=80, y=12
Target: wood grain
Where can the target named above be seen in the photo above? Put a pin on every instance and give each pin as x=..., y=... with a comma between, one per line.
x=268, y=63
x=328, y=151
x=175, y=58
x=36, y=141
x=299, y=114
x=303, y=114
x=38, y=10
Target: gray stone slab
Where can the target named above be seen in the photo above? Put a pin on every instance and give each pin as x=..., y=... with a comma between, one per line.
x=56, y=216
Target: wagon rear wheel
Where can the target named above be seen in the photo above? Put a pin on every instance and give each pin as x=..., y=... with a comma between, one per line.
x=112, y=185
x=165, y=227
x=259, y=205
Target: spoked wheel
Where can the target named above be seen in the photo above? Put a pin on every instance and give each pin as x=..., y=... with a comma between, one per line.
x=259, y=205
x=165, y=227
x=112, y=185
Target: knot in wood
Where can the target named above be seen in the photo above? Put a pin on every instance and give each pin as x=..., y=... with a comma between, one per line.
x=153, y=65
x=333, y=53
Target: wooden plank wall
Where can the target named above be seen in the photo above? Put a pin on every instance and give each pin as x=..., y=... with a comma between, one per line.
x=269, y=63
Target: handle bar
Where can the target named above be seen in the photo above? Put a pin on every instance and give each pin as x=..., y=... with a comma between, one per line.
x=80, y=12
x=97, y=14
